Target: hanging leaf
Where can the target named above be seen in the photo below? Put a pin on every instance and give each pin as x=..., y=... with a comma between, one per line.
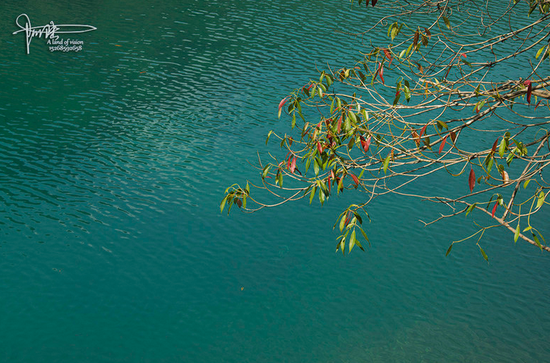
x=449, y=250
x=536, y=240
x=442, y=143
x=540, y=200
x=355, y=179
x=502, y=147
x=339, y=127
x=312, y=194
x=442, y=125
x=470, y=208
x=516, y=235
x=447, y=22
x=483, y=254
x=472, y=180
x=529, y=86
x=415, y=39
x=388, y=55
x=494, y=210
x=319, y=148
x=281, y=104
x=343, y=222
x=494, y=148
x=386, y=162
x=423, y=129
x=416, y=137
x=428, y=32
x=453, y=136
x=222, y=204
x=365, y=144
x=381, y=72
x=293, y=165
x=374, y=2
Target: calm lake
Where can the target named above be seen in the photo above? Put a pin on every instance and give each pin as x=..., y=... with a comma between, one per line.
x=114, y=160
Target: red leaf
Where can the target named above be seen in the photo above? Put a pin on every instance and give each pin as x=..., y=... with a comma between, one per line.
x=422, y=131
x=472, y=180
x=339, y=124
x=365, y=143
x=529, y=86
x=537, y=104
x=428, y=33
x=387, y=53
x=381, y=72
x=348, y=216
x=453, y=136
x=319, y=147
x=355, y=180
x=374, y=2
x=282, y=103
x=293, y=165
x=239, y=202
x=494, y=210
x=443, y=143
x=416, y=137
x=494, y=148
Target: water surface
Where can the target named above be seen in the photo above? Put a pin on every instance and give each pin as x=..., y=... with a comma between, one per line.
x=114, y=161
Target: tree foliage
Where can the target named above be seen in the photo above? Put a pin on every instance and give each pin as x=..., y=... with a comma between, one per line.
x=442, y=94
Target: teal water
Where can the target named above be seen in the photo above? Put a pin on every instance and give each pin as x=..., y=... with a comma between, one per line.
x=114, y=161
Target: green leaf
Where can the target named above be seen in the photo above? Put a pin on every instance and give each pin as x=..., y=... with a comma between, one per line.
x=447, y=23
x=442, y=125
x=358, y=216
x=536, y=240
x=222, y=204
x=352, y=241
x=483, y=253
x=386, y=163
x=347, y=124
x=352, y=117
x=526, y=183
x=265, y=171
x=316, y=166
x=343, y=221
x=540, y=51
x=540, y=200
x=516, y=235
x=490, y=164
x=470, y=208
x=407, y=91
x=449, y=250
x=364, y=236
x=312, y=194
x=502, y=147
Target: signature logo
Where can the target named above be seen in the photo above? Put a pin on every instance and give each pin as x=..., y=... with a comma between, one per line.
x=50, y=31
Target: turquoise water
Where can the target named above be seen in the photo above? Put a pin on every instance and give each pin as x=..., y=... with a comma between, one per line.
x=114, y=161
